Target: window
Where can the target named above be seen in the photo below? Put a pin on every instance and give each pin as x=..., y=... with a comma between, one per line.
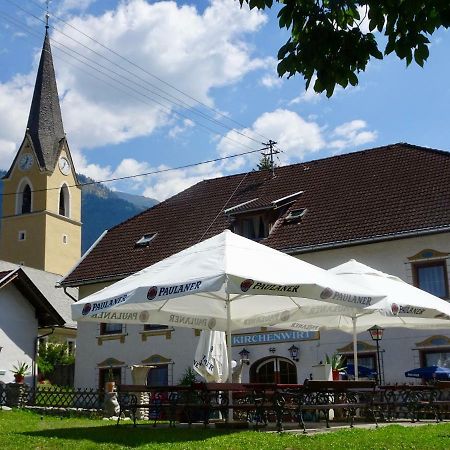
x=439, y=358
x=145, y=240
x=65, y=239
x=254, y=228
x=64, y=201
x=295, y=215
x=26, y=199
x=104, y=376
x=22, y=235
x=158, y=376
x=432, y=277
x=110, y=328
x=154, y=327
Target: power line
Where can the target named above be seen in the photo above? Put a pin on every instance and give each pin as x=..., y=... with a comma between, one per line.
x=145, y=70
x=107, y=74
x=177, y=102
x=155, y=172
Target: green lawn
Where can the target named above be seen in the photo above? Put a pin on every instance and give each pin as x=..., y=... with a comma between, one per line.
x=27, y=430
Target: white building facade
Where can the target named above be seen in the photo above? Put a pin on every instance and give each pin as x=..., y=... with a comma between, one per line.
x=390, y=228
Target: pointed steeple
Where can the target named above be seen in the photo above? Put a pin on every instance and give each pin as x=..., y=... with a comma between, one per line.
x=45, y=126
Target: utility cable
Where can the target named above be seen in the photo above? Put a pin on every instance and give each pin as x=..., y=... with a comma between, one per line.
x=107, y=74
x=155, y=172
x=189, y=107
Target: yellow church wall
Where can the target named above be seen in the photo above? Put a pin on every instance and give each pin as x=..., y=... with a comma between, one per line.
x=43, y=247
x=61, y=256
x=29, y=251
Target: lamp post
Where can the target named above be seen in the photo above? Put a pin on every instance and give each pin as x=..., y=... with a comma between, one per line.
x=293, y=350
x=244, y=354
x=376, y=333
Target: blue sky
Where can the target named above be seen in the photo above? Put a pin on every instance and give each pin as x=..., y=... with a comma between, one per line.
x=218, y=54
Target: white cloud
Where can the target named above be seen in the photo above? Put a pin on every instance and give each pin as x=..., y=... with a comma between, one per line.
x=179, y=129
x=271, y=78
x=309, y=95
x=364, y=19
x=14, y=108
x=351, y=134
x=195, y=51
x=271, y=81
x=166, y=184
x=295, y=136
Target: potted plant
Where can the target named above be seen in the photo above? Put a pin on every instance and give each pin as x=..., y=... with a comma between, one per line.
x=110, y=383
x=337, y=364
x=20, y=370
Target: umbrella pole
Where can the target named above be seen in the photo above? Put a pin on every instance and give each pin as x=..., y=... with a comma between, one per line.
x=230, y=371
x=355, y=349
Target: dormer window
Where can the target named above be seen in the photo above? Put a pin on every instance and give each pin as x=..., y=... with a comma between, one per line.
x=295, y=215
x=145, y=240
x=254, y=228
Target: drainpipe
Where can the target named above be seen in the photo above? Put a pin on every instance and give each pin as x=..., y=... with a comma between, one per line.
x=36, y=340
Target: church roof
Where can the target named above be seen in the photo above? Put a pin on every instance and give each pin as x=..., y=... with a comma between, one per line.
x=45, y=125
x=373, y=195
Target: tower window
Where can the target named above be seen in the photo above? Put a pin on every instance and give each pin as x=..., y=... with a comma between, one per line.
x=65, y=239
x=26, y=199
x=64, y=201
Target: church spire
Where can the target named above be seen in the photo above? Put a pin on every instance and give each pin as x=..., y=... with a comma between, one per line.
x=45, y=126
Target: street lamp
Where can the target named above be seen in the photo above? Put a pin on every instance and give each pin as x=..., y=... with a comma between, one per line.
x=376, y=333
x=293, y=350
x=244, y=354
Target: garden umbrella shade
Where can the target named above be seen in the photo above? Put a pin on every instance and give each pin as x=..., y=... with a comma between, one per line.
x=211, y=356
x=400, y=298
x=362, y=371
x=224, y=283
x=402, y=305
x=429, y=373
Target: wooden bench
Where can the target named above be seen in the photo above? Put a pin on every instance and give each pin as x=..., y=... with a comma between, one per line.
x=413, y=401
x=164, y=403
x=324, y=396
x=250, y=402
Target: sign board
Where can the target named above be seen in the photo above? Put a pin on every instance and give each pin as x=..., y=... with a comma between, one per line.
x=273, y=337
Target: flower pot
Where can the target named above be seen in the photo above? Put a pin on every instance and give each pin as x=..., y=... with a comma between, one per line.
x=110, y=386
x=335, y=373
x=18, y=378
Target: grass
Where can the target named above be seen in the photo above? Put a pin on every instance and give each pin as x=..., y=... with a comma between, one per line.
x=28, y=430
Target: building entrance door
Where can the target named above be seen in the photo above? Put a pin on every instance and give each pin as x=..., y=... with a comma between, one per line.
x=273, y=370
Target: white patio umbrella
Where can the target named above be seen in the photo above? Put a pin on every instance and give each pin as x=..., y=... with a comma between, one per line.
x=211, y=356
x=403, y=306
x=224, y=283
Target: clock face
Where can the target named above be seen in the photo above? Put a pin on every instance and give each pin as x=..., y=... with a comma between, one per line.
x=26, y=161
x=64, y=165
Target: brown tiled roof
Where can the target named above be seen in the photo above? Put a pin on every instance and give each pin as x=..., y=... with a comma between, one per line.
x=377, y=193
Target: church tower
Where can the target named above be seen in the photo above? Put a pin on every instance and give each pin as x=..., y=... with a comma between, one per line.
x=41, y=223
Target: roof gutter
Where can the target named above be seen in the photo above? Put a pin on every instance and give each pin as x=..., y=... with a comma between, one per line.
x=371, y=240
